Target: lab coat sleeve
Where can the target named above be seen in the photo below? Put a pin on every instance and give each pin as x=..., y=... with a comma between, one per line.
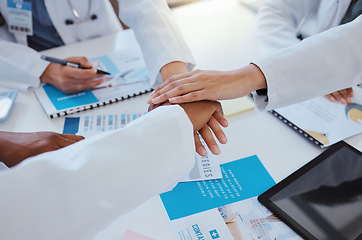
x=319, y=65
x=157, y=32
x=20, y=66
x=75, y=192
x=278, y=22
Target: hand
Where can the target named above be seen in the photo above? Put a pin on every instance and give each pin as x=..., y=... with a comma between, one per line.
x=206, y=117
x=343, y=96
x=72, y=80
x=171, y=69
x=209, y=85
x=15, y=147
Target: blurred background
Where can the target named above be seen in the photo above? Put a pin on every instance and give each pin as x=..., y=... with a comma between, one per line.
x=252, y=4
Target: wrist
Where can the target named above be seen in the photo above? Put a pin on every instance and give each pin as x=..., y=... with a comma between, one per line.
x=250, y=79
x=259, y=80
x=172, y=68
x=44, y=78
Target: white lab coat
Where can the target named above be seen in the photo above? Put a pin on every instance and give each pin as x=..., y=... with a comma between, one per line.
x=77, y=191
x=329, y=59
x=157, y=33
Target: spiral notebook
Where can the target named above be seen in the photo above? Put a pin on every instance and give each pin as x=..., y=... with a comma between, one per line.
x=129, y=78
x=323, y=122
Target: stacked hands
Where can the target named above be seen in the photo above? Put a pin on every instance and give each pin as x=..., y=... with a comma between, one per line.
x=206, y=117
x=218, y=85
x=209, y=85
x=198, y=90
x=201, y=85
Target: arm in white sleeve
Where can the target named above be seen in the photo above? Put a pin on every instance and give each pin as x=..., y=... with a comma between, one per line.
x=75, y=192
x=20, y=66
x=278, y=23
x=319, y=65
x=157, y=32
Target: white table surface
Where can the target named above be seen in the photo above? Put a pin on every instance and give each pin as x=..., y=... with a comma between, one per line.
x=222, y=36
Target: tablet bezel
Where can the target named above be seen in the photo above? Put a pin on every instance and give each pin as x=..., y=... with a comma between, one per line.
x=265, y=197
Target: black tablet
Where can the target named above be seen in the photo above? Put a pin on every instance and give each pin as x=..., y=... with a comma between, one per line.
x=323, y=199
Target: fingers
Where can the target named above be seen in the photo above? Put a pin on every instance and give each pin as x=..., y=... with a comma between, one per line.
x=194, y=86
x=220, y=118
x=216, y=129
x=76, y=80
x=330, y=98
x=81, y=74
x=190, y=97
x=213, y=126
x=343, y=96
x=84, y=62
x=174, y=86
x=199, y=113
x=206, y=134
x=191, y=90
x=200, y=149
x=25, y=145
x=169, y=80
x=73, y=80
x=73, y=137
x=79, y=87
x=80, y=60
x=64, y=140
x=347, y=95
x=69, y=79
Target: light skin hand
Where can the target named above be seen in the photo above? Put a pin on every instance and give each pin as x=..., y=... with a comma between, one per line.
x=176, y=68
x=209, y=85
x=206, y=117
x=15, y=146
x=343, y=96
x=72, y=80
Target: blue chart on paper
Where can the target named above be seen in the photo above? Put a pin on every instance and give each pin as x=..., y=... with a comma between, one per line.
x=242, y=179
x=106, y=64
x=71, y=125
x=62, y=101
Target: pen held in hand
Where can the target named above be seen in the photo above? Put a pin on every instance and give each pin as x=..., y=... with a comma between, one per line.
x=66, y=63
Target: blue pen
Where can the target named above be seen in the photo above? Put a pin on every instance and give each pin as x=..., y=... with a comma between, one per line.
x=67, y=63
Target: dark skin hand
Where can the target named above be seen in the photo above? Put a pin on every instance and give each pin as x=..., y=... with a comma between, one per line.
x=15, y=147
x=206, y=117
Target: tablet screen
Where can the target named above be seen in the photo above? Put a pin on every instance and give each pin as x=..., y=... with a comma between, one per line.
x=323, y=199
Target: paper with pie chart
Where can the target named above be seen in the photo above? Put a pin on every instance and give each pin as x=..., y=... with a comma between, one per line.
x=324, y=122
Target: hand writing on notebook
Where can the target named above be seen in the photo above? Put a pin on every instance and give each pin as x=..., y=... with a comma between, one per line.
x=70, y=79
x=206, y=118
